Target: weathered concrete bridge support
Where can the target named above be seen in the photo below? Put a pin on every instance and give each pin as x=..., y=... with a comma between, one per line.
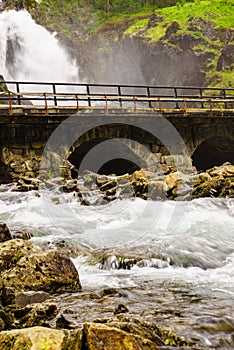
x=208, y=140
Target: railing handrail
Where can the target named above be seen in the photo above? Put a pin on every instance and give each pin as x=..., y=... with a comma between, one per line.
x=157, y=97
x=118, y=85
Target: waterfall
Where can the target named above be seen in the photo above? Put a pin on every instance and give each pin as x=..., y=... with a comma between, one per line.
x=28, y=52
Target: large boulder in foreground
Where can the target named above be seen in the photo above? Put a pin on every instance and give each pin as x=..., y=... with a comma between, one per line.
x=93, y=336
x=38, y=338
x=27, y=266
x=99, y=336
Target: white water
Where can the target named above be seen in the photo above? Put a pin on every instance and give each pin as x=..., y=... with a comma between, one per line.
x=199, y=249
x=195, y=261
x=28, y=52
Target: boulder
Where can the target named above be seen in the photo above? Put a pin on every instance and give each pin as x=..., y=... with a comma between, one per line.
x=98, y=336
x=38, y=338
x=26, y=266
x=5, y=233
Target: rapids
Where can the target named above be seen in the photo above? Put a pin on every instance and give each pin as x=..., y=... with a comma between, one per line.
x=184, y=276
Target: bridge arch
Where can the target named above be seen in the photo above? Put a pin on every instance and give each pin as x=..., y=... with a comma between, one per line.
x=215, y=150
x=113, y=149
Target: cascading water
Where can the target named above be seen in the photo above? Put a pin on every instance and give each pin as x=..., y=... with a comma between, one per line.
x=28, y=52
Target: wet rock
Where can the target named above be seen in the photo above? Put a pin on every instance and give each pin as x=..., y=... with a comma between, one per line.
x=148, y=330
x=156, y=190
x=25, y=298
x=154, y=20
x=22, y=234
x=101, y=180
x=25, y=184
x=26, y=266
x=109, y=291
x=215, y=182
x=203, y=26
x=120, y=309
x=226, y=170
x=62, y=322
x=5, y=233
x=226, y=59
x=99, y=336
x=173, y=181
x=172, y=29
x=20, y=167
x=109, y=185
x=32, y=338
x=34, y=315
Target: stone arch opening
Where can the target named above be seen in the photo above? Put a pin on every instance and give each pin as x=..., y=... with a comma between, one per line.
x=118, y=166
x=105, y=157
x=103, y=150
x=213, y=151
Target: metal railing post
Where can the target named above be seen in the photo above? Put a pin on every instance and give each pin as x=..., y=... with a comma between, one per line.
x=148, y=94
x=88, y=93
x=18, y=92
x=201, y=96
x=106, y=108
x=185, y=108
x=224, y=96
x=210, y=103
x=77, y=104
x=175, y=95
x=10, y=103
x=46, y=106
x=160, y=106
x=135, y=104
x=55, y=98
x=119, y=93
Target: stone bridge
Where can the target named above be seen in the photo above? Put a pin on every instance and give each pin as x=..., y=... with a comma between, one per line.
x=191, y=126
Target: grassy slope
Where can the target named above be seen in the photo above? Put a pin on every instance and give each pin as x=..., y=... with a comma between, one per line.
x=219, y=12
x=72, y=18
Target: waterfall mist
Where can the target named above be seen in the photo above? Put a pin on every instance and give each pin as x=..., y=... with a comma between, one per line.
x=28, y=52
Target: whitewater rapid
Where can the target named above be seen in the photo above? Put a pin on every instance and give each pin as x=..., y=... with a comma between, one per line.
x=188, y=270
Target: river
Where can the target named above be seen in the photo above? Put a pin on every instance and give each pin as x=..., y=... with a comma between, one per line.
x=183, y=277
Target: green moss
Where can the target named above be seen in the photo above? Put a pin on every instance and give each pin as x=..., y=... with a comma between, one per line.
x=137, y=26
x=156, y=33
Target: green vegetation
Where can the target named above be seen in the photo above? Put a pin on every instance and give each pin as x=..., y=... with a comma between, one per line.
x=121, y=18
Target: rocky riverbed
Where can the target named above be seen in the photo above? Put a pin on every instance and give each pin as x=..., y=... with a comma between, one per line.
x=33, y=281
x=95, y=189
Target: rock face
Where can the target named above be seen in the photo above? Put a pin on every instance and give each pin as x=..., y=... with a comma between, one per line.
x=226, y=59
x=26, y=266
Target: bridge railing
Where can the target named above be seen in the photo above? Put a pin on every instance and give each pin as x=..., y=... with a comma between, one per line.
x=160, y=98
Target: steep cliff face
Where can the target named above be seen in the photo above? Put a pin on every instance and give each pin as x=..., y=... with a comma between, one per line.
x=134, y=60
x=201, y=55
